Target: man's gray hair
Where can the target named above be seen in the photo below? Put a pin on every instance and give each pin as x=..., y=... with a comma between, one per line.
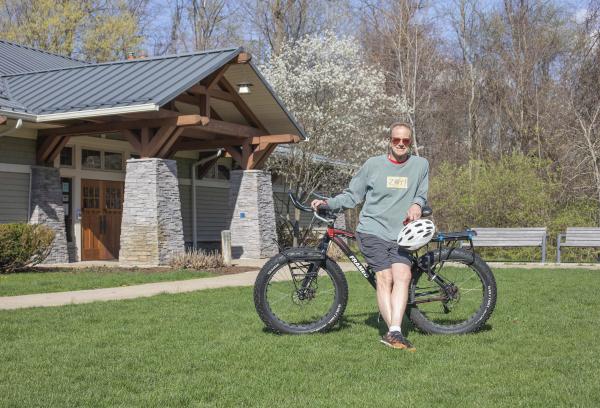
x=400, y=124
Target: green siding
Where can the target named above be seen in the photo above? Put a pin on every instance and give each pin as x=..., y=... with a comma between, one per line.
x=15, y=150
x=14, y=197
x=184, y=167
x=213, y=212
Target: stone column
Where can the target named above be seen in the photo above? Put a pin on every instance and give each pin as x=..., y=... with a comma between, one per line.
x=253, y=230
x=151, y=228
x=47, y=208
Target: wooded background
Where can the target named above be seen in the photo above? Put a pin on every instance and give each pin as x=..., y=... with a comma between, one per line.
x=504, y=96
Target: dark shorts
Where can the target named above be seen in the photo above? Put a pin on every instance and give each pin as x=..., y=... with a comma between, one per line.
x=381, y=254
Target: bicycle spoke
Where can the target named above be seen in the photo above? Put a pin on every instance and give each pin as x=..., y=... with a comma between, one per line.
x=301, y=295
x=452, y=303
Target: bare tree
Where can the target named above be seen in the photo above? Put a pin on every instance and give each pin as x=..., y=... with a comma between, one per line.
x=522, y=42
x=397, y=35
x=279, y=22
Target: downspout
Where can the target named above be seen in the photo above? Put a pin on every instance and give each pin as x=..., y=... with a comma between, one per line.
x=8, y=132
x=194, y=209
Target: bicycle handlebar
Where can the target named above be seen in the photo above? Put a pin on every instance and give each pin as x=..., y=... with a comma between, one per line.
x=426, y=211
x=322, y=209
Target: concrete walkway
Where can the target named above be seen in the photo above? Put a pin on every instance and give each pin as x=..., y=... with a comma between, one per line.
x=240, y=279
x=127, y=292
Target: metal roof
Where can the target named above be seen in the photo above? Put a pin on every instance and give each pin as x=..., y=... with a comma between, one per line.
x=16, y=58
x=115, y=84
x=86, y=90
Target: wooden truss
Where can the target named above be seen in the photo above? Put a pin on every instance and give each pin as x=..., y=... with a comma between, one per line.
x=163, y=133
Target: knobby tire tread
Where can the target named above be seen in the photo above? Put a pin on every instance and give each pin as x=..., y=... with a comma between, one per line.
x=489, y=300
x=278, y=326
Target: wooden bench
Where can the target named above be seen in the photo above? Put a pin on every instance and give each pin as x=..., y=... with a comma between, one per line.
x=512, y=237
x=583, y=237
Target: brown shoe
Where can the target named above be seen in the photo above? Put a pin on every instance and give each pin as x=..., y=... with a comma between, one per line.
x=398, y=341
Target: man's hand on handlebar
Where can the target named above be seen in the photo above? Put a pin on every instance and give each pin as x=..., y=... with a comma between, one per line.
x=315, y=204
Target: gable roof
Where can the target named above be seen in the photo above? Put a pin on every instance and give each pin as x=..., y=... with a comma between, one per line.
x=18, y=58
x=147, y=83
x=86, y=90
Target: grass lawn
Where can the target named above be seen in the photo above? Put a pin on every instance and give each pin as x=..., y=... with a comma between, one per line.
x=88, y=278
x=209, y=348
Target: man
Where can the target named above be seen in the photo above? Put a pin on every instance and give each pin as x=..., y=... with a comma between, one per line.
x=394, y=188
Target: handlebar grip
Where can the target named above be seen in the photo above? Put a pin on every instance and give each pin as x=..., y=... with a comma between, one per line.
x=323, y=209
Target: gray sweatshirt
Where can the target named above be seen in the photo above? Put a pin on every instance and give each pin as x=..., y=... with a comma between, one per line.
x=388, y=190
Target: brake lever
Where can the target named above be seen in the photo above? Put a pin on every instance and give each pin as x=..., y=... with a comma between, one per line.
x=323, y=208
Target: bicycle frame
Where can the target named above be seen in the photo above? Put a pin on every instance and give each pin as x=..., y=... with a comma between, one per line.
x=418, y=263
x=335, y=235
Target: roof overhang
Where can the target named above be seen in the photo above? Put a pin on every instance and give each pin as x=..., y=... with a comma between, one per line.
x=81, y=114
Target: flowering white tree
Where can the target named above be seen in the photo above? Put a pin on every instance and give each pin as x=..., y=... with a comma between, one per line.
x=340, y=101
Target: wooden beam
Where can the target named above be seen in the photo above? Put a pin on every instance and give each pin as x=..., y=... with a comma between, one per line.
x=145, y=137
x=187, y=98
x=56, y=152
x=92, y=128
x=235, y=153
x=243, y=58
x=198, y=144
x=204, y=105
x=45, y=147
x=214, y=79
x=279, y=139
x=157, y=142
x=49, y=148
x=264, y=155
x=166, y=148
x=133, y=140
x=242, y=107
x=207, y=141
x=215, y=93
x=247, y=149
x=226, y=128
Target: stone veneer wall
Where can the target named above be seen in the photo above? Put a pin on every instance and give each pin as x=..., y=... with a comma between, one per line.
x=253, y=231
x=47, y=209
x=151, y=229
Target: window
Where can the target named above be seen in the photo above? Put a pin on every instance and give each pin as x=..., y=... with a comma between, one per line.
x=67, y=200
x=91, y=197
x=91, y=159
x=66, y=157
x=113, y=161
x=219, y=171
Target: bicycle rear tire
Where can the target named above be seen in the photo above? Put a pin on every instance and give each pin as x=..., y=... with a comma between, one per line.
x=480, y=277
x=329, y=271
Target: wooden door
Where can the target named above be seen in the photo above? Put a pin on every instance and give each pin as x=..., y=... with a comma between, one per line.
x=101, y=212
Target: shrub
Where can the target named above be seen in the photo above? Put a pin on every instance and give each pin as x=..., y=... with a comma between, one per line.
x=514, y=191
x=197, y=259
x=23, y=245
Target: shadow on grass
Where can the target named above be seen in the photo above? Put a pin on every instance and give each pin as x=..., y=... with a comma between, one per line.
x=375, y=321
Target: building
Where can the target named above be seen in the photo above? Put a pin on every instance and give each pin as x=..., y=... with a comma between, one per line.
x=115, y=157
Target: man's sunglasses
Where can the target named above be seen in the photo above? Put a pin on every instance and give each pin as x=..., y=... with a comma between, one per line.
x=405, y=141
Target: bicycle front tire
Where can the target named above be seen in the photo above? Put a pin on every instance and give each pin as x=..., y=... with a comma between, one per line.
x=319, y=307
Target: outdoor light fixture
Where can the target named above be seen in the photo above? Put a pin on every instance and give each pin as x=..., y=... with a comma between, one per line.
x=244, y=88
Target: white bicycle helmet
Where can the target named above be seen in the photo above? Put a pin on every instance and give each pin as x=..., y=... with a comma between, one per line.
x=416, y=234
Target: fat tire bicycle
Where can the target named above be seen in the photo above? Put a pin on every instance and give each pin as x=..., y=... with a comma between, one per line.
x=302, y=290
